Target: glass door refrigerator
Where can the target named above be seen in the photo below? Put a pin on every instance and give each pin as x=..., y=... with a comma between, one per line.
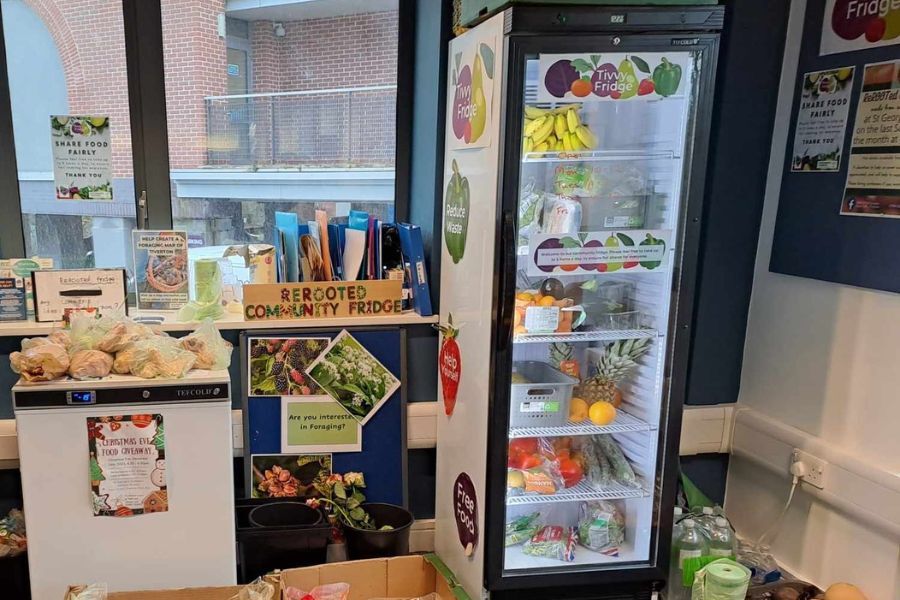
x=575, y=148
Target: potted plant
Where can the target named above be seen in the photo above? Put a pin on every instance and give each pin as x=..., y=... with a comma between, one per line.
x=370, y=529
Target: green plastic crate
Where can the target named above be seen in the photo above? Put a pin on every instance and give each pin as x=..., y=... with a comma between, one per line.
x=474, y=11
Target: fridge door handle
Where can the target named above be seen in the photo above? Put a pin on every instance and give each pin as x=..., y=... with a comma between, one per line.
x=507, y=276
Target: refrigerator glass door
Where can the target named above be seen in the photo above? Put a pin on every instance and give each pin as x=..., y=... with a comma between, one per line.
x=606, y=146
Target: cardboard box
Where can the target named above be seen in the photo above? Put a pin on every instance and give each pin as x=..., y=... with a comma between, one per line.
x=400, y=578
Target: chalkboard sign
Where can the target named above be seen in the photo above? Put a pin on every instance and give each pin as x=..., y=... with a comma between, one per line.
x=831, y=227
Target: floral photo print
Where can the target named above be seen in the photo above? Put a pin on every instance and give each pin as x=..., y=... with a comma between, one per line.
x=353, y=377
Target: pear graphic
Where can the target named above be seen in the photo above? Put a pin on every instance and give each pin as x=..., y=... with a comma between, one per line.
x=479, y=105
x=628, y=83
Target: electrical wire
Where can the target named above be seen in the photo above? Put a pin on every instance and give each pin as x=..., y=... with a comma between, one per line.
x=776, y=524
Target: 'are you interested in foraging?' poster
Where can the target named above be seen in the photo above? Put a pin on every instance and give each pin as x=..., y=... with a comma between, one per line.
x=161, y=269
x=82, y=157
x=822, y=120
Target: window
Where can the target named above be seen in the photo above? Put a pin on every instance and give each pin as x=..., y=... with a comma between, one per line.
x=271, y=105
x=295, y=110
x=58, y=66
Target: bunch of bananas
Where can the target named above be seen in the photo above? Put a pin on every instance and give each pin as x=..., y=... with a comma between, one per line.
x=556, y=130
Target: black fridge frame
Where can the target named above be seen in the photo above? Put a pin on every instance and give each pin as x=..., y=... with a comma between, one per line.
x=631, y=578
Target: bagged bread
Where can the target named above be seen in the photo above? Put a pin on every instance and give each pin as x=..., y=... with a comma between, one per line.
x=207, y=344
x=124, y=361
x=40, y=361
x=122, y=335
x=160, y=357
x=90, y=364
x=60, y=337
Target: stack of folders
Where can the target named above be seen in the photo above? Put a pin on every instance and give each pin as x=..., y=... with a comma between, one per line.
x=362, y=248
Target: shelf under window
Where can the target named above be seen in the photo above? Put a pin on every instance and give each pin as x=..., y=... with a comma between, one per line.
x=624, y=423
x=579, y=493
x=585, y=336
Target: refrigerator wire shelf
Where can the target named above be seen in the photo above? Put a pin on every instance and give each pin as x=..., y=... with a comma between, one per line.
x=579, y=493
x=595, y=156
x=624, y=423
x=585, y=336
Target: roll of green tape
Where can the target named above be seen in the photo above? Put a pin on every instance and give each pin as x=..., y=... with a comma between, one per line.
x=207, y=281
x=721, y=580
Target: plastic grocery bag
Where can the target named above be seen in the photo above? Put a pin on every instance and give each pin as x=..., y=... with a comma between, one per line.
x=331, y=591
x=259, y=589
x=207, y=344
x=40, y=361
x=601, y=527
x=552, y=541
x=90, y=364
x=160, y=356
x=95, y=591
x=522, y=528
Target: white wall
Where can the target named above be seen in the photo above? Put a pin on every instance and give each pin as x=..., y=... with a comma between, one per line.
x=824, y=358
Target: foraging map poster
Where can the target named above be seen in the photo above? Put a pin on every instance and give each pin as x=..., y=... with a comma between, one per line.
x=161, y=269
x=822, y=120
x=127, y=465
x=471, y=79
x=850, y=25
x=612, y=76
x=82, y=157
x=873, y=178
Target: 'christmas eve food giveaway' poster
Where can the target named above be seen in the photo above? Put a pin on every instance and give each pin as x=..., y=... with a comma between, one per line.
x=127, y=465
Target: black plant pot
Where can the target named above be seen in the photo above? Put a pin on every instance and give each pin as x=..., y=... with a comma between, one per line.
x=284, y=514
x=374, y=543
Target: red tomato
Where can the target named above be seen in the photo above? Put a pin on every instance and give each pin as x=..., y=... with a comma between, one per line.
x=571, y=472
x=529, y=461
x=523, y=445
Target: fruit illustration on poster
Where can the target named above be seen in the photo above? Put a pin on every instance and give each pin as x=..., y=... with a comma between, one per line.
x=666, y=78
x=876, y=21
x=470, y=102
x=456, y=214
x=450, y=364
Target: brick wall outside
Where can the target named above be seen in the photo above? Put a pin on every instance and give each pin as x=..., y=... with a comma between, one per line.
x=195, y=68
x=335, y=52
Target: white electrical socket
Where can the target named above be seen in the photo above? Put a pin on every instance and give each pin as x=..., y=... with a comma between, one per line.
x=815, y=468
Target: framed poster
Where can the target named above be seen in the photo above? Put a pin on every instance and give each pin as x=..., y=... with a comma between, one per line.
x=58, y=292
x=82, y=157
x=160, y=269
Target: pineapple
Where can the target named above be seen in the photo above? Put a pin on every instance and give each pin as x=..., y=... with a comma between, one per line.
x=617, y=360
x=562, y=358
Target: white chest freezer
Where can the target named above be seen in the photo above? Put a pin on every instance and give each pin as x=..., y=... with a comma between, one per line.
x=94, y=514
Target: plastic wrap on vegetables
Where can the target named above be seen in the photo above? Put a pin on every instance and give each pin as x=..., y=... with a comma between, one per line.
x=601, y=527
x=621, y=468
x=597, y=471
x=522, y=528
x=531, y=206
x=561, y=215
x=552, y=541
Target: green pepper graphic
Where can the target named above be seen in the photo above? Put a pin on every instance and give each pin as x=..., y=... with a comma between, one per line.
x=652, y=241
x=666, y=78
x=456, y=214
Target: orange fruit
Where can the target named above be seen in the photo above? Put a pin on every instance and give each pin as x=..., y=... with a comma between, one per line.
x=578, y=410
x=546, y=301
x=525, y=296
x=519, y=329
x=602, y=413
x=581, y=88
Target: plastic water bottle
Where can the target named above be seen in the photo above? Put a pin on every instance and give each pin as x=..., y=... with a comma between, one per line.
x=706, y=521
x=691, y=543
x=674, y=590
x=721, y=540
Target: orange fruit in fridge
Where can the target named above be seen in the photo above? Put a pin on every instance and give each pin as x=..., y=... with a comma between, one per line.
x=578, y=410
x=602, y=413
x=546, y=301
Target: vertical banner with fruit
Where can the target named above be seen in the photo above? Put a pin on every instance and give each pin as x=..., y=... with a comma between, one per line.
x=472, y=86
x=822, y=120
x=873, y=177
x=612, y=76
x=859, y=24
x=82, y=157
x=127, y=462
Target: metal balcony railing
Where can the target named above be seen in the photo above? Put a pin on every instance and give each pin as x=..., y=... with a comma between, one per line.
x=326, y=128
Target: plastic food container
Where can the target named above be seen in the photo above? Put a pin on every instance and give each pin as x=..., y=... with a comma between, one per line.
x=543, y=401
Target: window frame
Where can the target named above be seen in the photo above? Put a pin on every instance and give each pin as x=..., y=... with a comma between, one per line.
x=144, y=57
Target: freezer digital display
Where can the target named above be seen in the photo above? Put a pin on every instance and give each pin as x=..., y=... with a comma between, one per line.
x=82, y=397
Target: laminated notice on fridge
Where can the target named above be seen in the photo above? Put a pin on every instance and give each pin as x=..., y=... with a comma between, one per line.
x=127, y=465
x=598, y=252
